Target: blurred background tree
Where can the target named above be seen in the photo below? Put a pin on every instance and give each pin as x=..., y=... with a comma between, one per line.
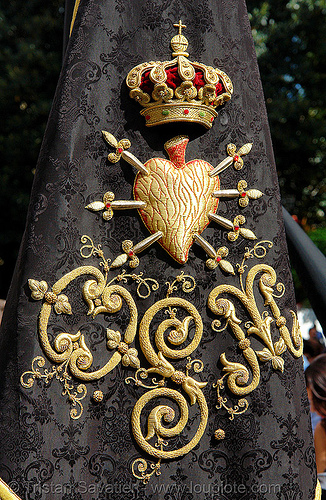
x=30, y=61
x=290, y=45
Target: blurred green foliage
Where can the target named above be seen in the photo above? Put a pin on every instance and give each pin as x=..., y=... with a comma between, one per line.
x=290, y=44
x=318, y=236
x=30, y=61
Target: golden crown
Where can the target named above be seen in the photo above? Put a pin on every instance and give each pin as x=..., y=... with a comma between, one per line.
x=179, y=90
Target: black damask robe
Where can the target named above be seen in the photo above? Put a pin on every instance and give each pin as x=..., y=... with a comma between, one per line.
x=57, y=442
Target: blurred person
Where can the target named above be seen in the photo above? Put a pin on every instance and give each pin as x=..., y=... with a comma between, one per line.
x=311, y=349
x=315, y=335
x=316, y=387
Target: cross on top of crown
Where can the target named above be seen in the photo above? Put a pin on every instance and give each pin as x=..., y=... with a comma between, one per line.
x=180, y=26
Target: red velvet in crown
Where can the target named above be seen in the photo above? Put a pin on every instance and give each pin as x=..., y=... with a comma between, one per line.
x=173, y=81
x=179, y=90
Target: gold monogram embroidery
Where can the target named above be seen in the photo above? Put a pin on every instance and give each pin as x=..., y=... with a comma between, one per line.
x=239, y=379
x=165, y=326
x=178, y=333
x=70, y=352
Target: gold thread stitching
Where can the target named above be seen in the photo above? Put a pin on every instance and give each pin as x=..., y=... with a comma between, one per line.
x=71, y=354
x=162, y=367
x=318, y=491
x=177, y=202
x=69, y=351
x=238, y=374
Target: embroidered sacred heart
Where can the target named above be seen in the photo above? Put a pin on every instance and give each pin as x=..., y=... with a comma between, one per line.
x=178, y=198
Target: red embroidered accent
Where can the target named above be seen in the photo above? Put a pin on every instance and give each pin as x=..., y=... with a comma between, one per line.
x=243, y=194
x=146, y=84
x=177, y=152
x=131, y=253
x=147, y=117
x=236, y=158
x=173, y=81
x=219, y=89
x=199, y=81
x=212, y=119
x=120, y=150
x=236, y=228
x=186, y=111
x=218, y=259
x=108, y=205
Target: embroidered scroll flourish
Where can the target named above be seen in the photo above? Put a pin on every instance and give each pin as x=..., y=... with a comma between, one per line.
x=240, y=380
x=75, y=396
x=177, y=329
x=176, y=332
x=69, y=352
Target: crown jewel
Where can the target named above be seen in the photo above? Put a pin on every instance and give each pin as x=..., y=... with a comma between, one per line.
x=179, y=90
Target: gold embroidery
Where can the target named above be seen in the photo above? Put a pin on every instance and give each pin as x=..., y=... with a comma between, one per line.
x=236, y=230
x=6, y=493
x=130, y=250
x=160, y=342
x=177, y=200
x=120, y=146
x=219, y=434
x=187, y=102
x=98, y=396
x=318, y=491
x=188, y=284
x=241, y=407
x=75, y=395
x=108, y=204
x=216, y=255
x=68, y=351
x=237, y=375
x=241, y=193
x=234, y=158
x=179, y=333
x=177, y=196
x=245, y=196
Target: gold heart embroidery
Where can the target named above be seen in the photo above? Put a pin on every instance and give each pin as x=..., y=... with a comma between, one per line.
x=178, y=198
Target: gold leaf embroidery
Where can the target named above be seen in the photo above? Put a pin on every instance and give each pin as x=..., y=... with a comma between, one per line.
x=166, y=211
x=96, y=206
x=280, y=347
x=119, y=261
x=245, y=149
x=114, y=338
x=72, y=359
x=160, y=365
x=62, y=305
x=254, y=194
x=247, y=233
x=226, y=266
x=110, y=139
x=131, y=358
x=38, y=289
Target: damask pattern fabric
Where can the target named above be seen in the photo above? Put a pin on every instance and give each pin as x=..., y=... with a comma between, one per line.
x=265, y=452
